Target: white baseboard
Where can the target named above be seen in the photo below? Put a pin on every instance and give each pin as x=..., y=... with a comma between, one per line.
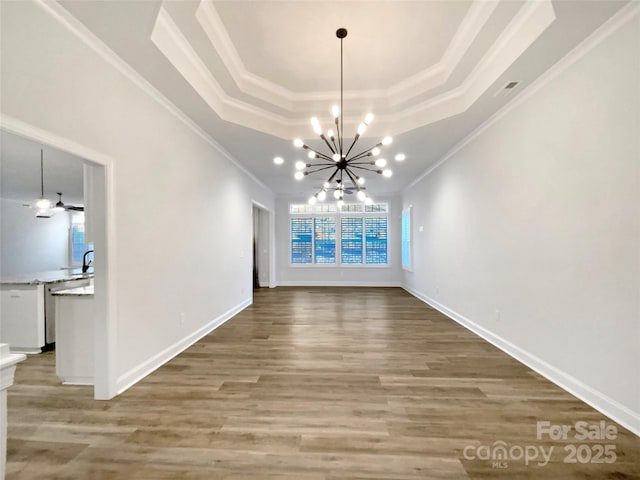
x=77, y=381
x=313, y=283
x=598, y=400
x=26, y=350
x=136, y=374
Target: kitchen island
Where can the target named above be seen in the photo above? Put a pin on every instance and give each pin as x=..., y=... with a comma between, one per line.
x=75, y=332
x=28, y=313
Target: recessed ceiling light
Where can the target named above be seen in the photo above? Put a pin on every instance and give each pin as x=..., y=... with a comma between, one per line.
x=278, y=160
x=400, y=157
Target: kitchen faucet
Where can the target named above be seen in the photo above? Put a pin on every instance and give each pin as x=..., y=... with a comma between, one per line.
x=85, y=265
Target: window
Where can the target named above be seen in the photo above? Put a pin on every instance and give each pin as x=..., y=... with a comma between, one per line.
x=355, y=235
x=351, y=240
x=301, y=243
x=77, y=240
x=376, y=236
x=406, y=238
x=325, y=239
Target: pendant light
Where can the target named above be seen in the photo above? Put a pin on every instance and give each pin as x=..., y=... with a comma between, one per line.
x=41, y=205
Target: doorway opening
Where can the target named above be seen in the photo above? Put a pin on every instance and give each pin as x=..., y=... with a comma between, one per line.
x=262, y=247
x=87, y=189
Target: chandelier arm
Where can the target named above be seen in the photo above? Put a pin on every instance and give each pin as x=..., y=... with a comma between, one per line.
x=359, y=157
x=365, y=152
x=327, y=142
x=332, y=176
x=323, y=164
x=353, y=180
x=322, y=156
x=339, y=134
x=353, y=164
x=365, y=168
x=333, y=140
x=320, y=169
x=307, y=147
x=355, y=139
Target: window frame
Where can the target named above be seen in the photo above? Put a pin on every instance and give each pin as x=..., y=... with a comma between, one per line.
x=406, y=238
x=311, y=212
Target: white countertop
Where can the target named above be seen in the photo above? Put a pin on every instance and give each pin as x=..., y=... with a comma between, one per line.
x=74, y=292
x=8, y=359
x=50, y=276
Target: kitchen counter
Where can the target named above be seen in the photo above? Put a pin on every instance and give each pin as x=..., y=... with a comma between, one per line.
x=75, y=335
x=28, y=307
x=74, y=292
x=50, y=276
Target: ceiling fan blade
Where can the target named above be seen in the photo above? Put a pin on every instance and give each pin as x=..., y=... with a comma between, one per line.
x=74, y=208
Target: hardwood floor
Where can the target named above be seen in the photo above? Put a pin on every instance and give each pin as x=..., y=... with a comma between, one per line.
x=311, y=384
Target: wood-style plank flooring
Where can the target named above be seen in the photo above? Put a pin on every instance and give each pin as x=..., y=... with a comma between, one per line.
x=310, y=384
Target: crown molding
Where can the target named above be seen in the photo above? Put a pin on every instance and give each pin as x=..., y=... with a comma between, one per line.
x=263, y=89
x=524, y=28
x=617, y=21
x=473, y=22
x=527, y=25
x=82, y=33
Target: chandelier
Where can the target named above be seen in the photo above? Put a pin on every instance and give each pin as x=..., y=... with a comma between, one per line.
x=345, y=166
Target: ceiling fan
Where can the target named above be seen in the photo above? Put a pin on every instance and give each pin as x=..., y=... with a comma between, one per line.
x=342, y=188
x=60, y=205
x=44, y=207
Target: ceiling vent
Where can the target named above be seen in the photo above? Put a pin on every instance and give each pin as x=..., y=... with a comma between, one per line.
x=507, y=89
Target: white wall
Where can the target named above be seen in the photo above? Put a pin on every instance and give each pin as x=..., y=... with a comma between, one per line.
x=183, y=210
x=532, y=228
x=29, y=244
x=330, y=275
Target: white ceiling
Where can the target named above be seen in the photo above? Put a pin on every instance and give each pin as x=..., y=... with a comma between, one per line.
x=20, y=171
x=251, y=73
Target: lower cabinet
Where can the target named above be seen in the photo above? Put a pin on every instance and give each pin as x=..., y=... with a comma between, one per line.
x=22, y=325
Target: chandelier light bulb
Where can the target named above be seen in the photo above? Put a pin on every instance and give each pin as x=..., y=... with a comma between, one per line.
x=400, y=157
x=330, y=133
x=326, y=185
x=362, y=128
x=299, y=175
x=368, y=118
x=335, y=111
x=312, y=200
x=336, y=194
x=368, y=201
x=360, y=180
x=387, y=173
x=298, y=143
x=278, y=160
x=361, y=196
x=375, y=151
x=387, y=141
x=340, y=203
x=314, y=121
x=300, y=165
x=322, y=195
x=380, y=162
x=336, y=157
x=311, y=154
x=317, y=129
